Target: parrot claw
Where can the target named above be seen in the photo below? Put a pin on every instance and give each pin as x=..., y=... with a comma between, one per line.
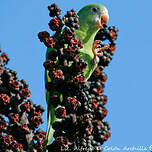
x=97, y=49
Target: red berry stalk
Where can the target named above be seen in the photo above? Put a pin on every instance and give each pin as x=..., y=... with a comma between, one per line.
x=82, y=106
x=19, y=117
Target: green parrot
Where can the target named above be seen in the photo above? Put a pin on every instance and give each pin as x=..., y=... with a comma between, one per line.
x=91, y=19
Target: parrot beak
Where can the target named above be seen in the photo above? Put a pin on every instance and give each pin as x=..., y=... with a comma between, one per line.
x=103, y=20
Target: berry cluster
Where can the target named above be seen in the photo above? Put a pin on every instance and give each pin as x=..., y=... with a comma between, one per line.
x=19, y=117
x=79, y=103
x=71, y=20
x=54, y=10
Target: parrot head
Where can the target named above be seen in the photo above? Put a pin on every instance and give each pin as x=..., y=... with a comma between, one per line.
x=94, y=15
x=91, y=19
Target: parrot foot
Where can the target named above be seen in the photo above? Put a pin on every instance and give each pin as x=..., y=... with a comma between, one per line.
x=97, y=49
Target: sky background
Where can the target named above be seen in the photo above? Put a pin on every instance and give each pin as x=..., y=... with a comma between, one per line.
x=129, y=85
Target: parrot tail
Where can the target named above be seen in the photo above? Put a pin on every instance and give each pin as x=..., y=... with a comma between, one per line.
x=49, y=134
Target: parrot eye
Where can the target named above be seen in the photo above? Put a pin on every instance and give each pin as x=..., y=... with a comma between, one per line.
x=94, y=9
